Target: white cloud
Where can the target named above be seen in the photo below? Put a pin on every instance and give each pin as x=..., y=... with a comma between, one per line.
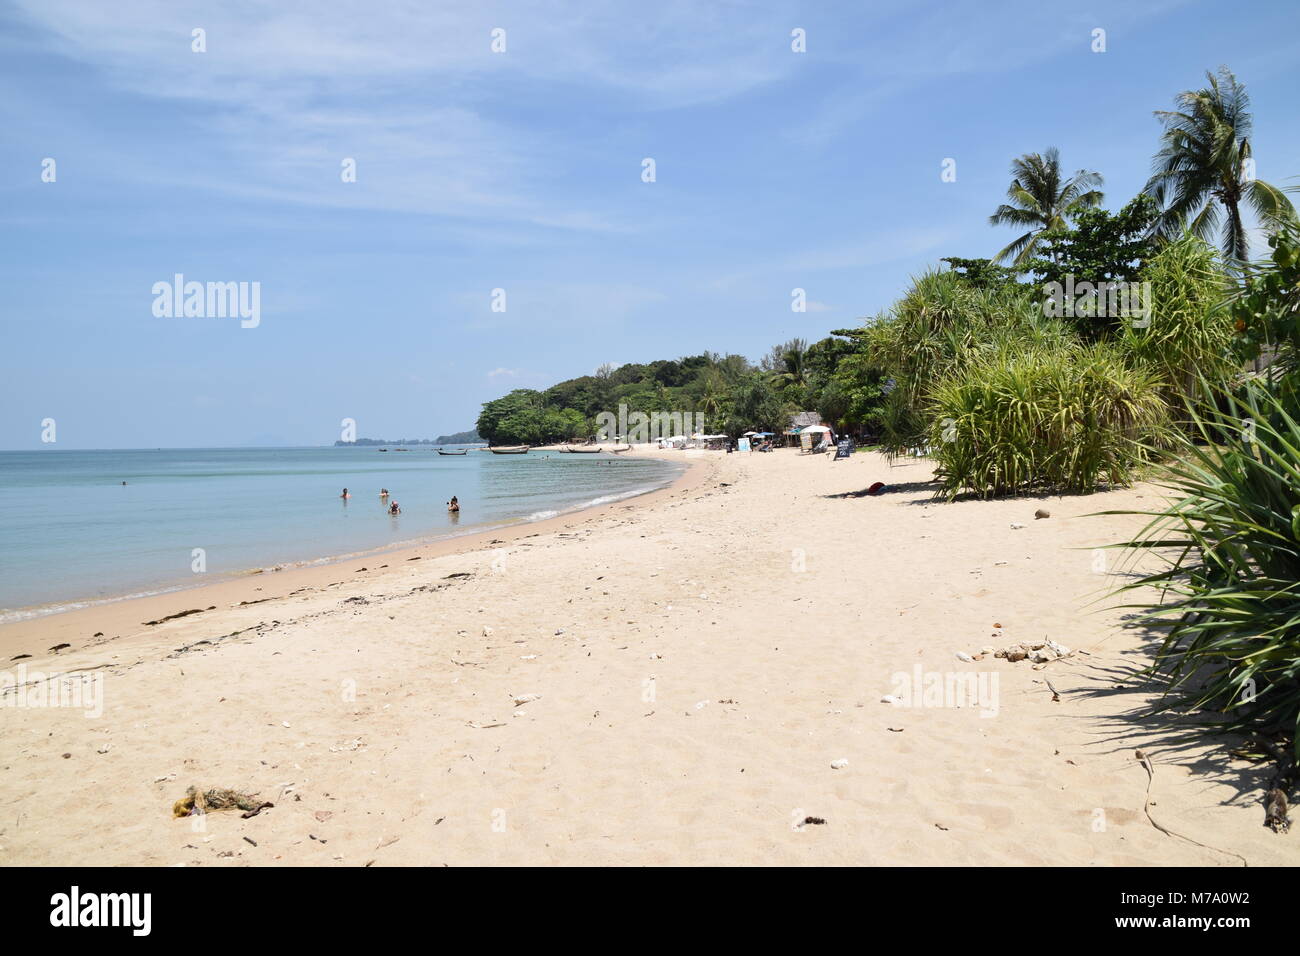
x=285, y=91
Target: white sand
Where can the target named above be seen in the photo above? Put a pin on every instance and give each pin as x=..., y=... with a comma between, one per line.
x=695, y=687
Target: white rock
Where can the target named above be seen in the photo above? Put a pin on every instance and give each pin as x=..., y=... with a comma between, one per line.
x=487, y=631
x=1016, y=527
x=890, y=699
x=521, y=699
x=840, y=764
x=963, y=656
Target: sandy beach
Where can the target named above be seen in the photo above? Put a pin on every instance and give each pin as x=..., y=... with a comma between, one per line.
x=665, y=680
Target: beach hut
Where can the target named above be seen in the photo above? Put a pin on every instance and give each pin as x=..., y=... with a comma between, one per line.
x=799, y=422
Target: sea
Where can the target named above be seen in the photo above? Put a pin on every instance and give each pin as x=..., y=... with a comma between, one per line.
x=85, y=527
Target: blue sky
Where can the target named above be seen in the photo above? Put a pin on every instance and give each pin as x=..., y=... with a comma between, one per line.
x=522, y=170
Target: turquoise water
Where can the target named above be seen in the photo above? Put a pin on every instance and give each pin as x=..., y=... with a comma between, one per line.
x=72, y=533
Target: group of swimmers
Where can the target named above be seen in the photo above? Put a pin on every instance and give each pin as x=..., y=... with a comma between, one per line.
x=394, y=508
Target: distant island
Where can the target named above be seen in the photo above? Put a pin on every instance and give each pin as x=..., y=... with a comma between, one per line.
x=460, y=438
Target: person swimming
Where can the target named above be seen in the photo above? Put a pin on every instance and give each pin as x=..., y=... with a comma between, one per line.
x=383, y=492
x=345, y=494
x=453, y=505
x=394, y=509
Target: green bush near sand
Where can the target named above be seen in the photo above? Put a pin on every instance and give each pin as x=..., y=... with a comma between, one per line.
x=1064, y=418
x=1010, y=399
x=1230, y=595
x=1189, y=337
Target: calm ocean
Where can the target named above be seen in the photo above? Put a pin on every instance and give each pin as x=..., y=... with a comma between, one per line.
x=72, y=533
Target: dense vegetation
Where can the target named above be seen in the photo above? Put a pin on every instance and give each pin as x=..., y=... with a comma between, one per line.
x=831, y=377
x=1228, y=597
x=1065, y=363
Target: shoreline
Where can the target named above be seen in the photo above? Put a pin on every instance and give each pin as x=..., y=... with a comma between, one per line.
x=79, y=624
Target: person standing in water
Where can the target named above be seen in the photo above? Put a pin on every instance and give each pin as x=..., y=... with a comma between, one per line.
x=345, y=494
x=453, y=505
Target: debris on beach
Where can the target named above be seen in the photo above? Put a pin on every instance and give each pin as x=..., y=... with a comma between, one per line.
x=206, y=801
x=521, y=699
x=1037, y=652
x=1275, y=817
x=172, y=617
x=840, y=764
x=1042, y=513
x=1015, y=526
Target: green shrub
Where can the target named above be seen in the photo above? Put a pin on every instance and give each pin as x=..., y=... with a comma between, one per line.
x=1231, y=593
x=943, y=323
x=1189, y=335
x=1063, y=418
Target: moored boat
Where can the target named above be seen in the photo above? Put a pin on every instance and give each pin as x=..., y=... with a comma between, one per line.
x=510, y=450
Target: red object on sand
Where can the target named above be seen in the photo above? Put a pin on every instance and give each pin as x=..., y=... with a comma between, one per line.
x=876, y=488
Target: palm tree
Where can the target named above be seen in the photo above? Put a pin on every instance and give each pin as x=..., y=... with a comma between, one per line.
x=714, y=398
x=1205, y=167
x=1041, y=201
x=787, y=363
